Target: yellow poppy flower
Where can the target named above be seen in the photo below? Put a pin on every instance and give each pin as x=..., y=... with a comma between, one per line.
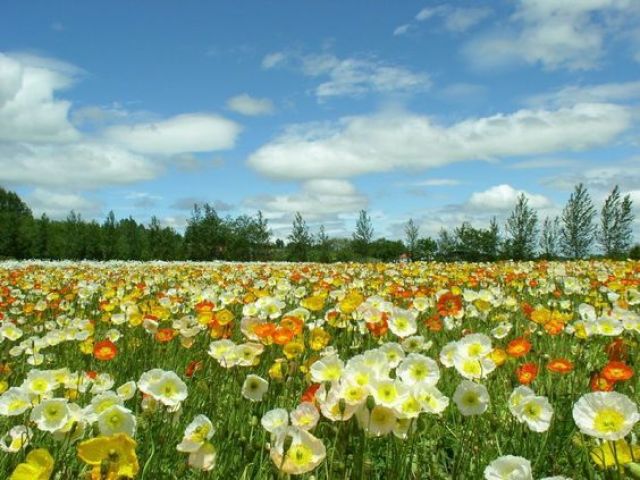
x=118, y=450
x=38, y=466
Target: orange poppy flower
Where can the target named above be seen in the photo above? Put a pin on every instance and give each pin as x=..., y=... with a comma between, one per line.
x=265, y=331
x=164, y=335
x=309, y=394
x=617, y=371
x=600, y=384
x=434, y=323
x=204, y=306
x=282, y=335
x=379, y=328
x=105, y=350
x=449, y=304
x=292, y=323
x=554, y=326
x=560, y=365
x=527, y=373
x=519, y=347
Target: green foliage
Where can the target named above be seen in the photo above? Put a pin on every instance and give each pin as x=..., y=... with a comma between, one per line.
x=300, y=240
x=248, y=238
x=616, y=219
x=578, y=231
x=363, y=234
x=522, y=230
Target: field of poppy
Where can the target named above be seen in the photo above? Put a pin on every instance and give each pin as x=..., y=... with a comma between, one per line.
x=340, y=371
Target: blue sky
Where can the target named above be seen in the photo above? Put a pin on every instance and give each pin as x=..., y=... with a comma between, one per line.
x=439, y=111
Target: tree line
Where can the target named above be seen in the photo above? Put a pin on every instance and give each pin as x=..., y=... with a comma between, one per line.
x=577, y=233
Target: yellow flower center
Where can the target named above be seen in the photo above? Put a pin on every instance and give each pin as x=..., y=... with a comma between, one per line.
x=608, y=420
x=300, y=455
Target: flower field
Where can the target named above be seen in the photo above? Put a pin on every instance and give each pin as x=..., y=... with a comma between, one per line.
x=340, y=371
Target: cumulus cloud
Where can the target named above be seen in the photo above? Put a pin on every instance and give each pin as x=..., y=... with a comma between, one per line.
x=317, y=199
x=568, y=35
x=250, y=106
x=29, y=111
x=77, y=165
x=355, y=76
x=58, y=204
x=195, y=132
x=503, y=197
x=387, y=141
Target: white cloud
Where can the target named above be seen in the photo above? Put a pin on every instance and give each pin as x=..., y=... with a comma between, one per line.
x=503, y=197
x=76, y=165
x=29, y=112
x=251, y=106
x=462, y=19
x=143, y=199
x=427, y=13
x=316, y=200
x=401, y=30
x=195, y=132
x=356, y=76
x=455, y=20
x=555, y=34
x=272, y=60
x=58, y=204
x=387, y=141
x=605, y=92
x=600, y=179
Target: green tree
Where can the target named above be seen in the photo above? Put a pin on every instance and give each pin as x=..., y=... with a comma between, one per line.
x=412, y=232
x=616, y=218
x=386, y=250
x=323, y=246
x=522, y=230
x=363, y=234
x=550, y=238
x=15, y=226
x=300, y=239
x=426, y=249
x=578, y=230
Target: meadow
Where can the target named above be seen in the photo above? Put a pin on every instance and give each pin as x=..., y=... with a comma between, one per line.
x=422, y=370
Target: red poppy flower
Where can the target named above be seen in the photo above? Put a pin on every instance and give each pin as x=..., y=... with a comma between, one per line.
x=527, y=373
x=560, y=365
x=519, y=347
x=105, y=350
x=617, y=371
